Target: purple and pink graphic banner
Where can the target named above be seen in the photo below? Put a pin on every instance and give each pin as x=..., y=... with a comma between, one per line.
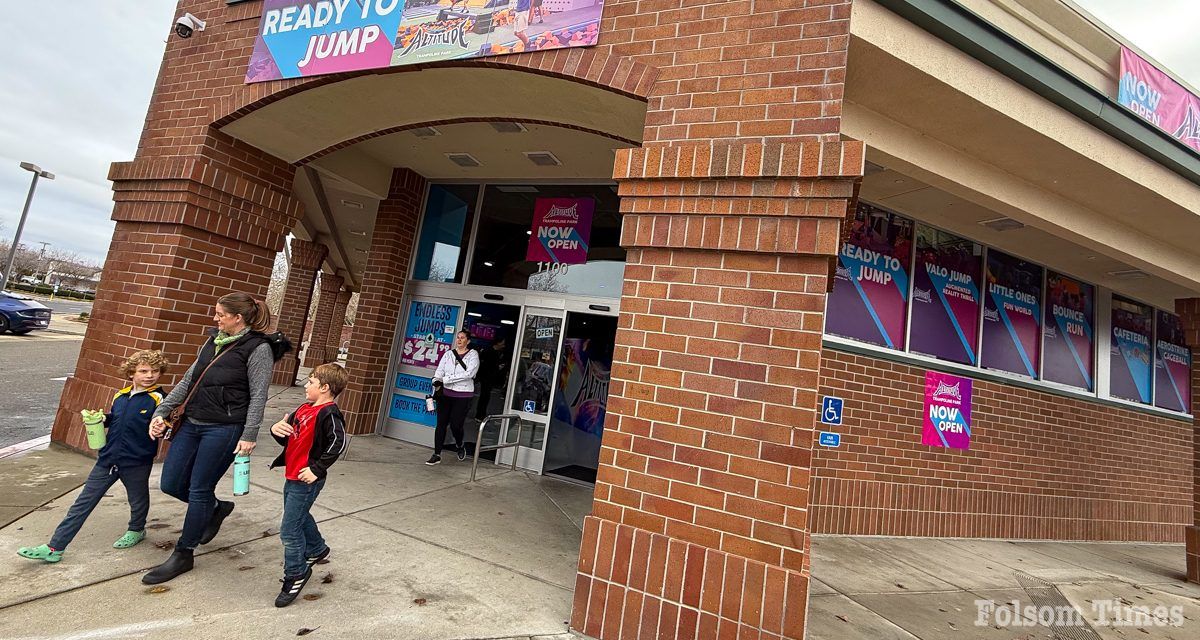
x=945, y=298
x=1158, y=99
x=1068, y=338
x=1173, y=366
x=562, y=228
x=299, y=38
x=947, y=411
x=870, y=287
x=1129, y=356
x=1012, y=315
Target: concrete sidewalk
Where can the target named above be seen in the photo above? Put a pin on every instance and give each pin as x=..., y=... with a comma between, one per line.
x=418, y=552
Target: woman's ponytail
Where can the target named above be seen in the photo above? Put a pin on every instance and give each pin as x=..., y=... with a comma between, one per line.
x=255, y=313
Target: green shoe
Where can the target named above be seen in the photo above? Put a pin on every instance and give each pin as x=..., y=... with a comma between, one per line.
x=129, y=539
x=43, y=552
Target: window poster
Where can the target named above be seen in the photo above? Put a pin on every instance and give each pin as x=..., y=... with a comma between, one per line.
x=945, y=296
x=1172, y=365
x=870, y=288
x=428, y=334
x=1067, y=339
x=1012, y=315
x=1129, y=354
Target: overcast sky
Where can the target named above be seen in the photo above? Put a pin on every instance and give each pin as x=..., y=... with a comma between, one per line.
x=77, y=78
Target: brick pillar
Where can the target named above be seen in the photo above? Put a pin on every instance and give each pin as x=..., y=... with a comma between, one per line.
x=316, y=354
x=297, y=295
x=188, y=230
x=379, y=300
x=335, y=326
x=1189, y=312
x=699, y=527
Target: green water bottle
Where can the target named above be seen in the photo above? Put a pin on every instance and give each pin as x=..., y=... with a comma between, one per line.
x=241, y=475
x=93, y=422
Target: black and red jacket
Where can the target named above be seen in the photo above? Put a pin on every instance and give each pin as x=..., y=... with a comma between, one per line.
x=328, y=444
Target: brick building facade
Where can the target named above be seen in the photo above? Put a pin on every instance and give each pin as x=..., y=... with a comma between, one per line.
x=745, y=133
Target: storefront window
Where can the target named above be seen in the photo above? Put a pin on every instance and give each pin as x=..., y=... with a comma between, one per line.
x=554, y=238
x=870, y=290
x=1172, y=365
x=1129, y=369
x=945, y=298
x=1068, y=341
x=1012, y=315
x=441, y=253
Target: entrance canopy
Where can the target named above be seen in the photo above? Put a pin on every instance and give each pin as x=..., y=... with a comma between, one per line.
x=446, y=123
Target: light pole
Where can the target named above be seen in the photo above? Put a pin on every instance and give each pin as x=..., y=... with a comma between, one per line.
x=12, y=251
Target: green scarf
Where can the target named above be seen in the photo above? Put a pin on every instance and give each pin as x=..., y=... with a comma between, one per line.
x=222, y=339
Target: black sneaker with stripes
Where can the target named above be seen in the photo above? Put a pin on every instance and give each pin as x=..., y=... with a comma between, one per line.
x=291, y=588
x=317, y=558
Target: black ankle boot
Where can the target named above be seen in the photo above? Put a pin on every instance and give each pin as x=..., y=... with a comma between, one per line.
x=179, y=563
x=214, y=525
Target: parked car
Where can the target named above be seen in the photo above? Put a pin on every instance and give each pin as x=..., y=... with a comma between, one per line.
x=22, y=314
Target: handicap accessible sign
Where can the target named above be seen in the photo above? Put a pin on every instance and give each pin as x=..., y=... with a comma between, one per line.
x=947, y=411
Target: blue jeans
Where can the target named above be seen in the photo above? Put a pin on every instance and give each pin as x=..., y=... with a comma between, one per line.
x=298, y=531
x=137, y=486
x=199, y=456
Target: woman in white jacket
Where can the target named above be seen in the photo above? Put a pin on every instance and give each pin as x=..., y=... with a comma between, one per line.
x=456, y=374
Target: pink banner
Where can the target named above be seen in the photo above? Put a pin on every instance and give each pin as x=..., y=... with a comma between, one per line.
x=947, y=411
x=561, y=230
x=1158, y=99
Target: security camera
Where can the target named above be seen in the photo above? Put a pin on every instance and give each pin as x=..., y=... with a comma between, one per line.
x=188, y=23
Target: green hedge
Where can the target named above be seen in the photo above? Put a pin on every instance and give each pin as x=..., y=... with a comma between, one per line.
x=45, y=289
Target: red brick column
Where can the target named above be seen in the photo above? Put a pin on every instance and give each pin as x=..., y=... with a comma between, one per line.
x=699, y=527
x=379, y=300
x=316, y=354
x=189, y=230
x=1189, y=312
x=297, y=295
x=339, y=321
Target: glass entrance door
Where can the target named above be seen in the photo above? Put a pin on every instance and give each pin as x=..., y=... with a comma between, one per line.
x=577, y=411
x=532, y=386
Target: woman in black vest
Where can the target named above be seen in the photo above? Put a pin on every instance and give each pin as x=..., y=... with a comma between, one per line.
x=220, y=419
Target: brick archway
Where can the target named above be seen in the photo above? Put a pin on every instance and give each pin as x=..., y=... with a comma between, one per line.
x=619, y=74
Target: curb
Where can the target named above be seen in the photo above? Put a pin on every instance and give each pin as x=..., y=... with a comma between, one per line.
x=40, y=442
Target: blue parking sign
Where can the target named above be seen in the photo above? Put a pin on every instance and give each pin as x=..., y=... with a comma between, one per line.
x=831, y=410
x=530, y=406
x=830, y=439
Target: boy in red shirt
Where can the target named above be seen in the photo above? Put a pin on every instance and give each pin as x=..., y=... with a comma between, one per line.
x=313, y=437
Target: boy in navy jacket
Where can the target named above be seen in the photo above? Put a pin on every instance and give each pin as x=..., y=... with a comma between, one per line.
x=313, y=437
x=127, y=455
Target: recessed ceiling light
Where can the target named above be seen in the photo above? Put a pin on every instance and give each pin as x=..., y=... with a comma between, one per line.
x=1131, y=274
x=352, y=204
x=516, y=188
x=543, y=158
x=508, y=127
x=357, y=233
x=474, y=314
x=425, y=132
x=1002, y=224
x=464, y=159
x=507, y=322
x=360, y=250
x=489, y=264
x=528, y=233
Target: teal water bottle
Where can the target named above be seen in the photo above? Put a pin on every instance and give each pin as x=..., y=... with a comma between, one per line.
x=241, y=475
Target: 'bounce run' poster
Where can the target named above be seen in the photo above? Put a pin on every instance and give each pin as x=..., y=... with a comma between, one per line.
x=299, y=38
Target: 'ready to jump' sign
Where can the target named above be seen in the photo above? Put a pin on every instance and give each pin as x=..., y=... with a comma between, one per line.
x=947, y=411
x=561, y=230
